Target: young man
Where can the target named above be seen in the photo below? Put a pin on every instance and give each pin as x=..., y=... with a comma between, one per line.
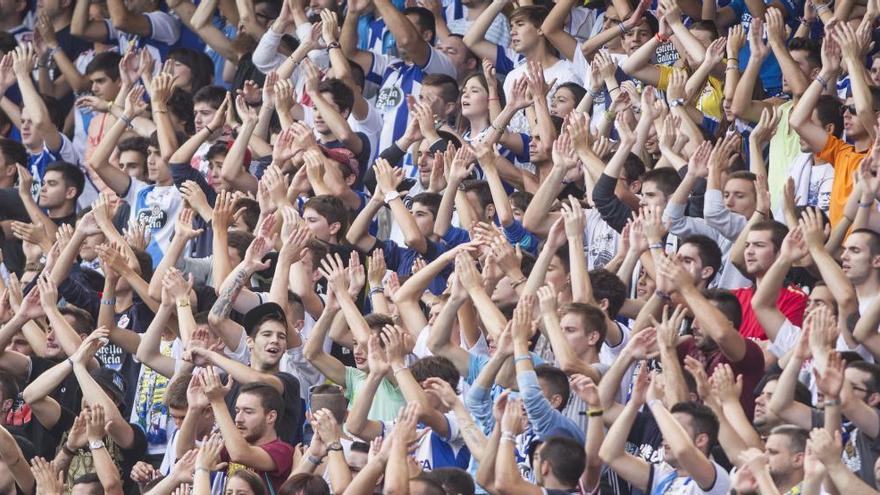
x=763, y=245
x=414, y=31
x=250, y=438
x=62, y=186
x=785, y=450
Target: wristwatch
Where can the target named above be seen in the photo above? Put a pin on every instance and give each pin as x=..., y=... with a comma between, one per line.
x=332, y=45
x=335, y=446
x=96, y=444
x=676, y=102
x=391, y=196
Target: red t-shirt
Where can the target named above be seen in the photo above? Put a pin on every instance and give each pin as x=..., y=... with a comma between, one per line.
x=792, y=301
x=751, y=367
x=281, y=453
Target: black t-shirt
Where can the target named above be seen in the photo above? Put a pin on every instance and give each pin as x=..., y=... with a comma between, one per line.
x=290, y=421
x=11, y=208
x=68, y=394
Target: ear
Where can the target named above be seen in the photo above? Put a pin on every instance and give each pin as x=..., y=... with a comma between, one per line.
x=635, y=186
x=829, y=128
x=334, y=228
x=250, y=343
x=271, y=416
x=702, y=442
x=603, y=304
x=875, y=261
x=298, y=325
x=706, y=273
x=593, y=338
x=449, y=108
x=70, y=193
x=490, y=211
x=556, y=401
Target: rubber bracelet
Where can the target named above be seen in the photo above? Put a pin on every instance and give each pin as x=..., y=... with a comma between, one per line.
x=866, y=205
x=821, y=80
x=653, y=402
x=108, y=302
x=210, y=131
x=655, y=245
x=763, y=213
x=521, y=358
x=595, y=412
x=398, y=370
x=313, y=460
x=662, y=295
x=622, y=28
x=832, y=402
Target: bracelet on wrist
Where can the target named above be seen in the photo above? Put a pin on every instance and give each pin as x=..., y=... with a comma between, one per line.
x=655, y=245
x=203, y=469
x=821, y=80
x=208, y=128
x=654, y=402
x=398, y=370
x=622, y=28
x=592, y=413
x=762, y=213
x=109, y=302
x=832, y=402
x=522, y=358
x=867, y=204
x=313, y=460
x=662, y=295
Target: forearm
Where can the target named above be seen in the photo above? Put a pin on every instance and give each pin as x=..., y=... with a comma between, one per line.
x=119, y=431
x=581, y=288
x=862, y=96
x=231, y=167
x=107, y=472
x=676, y=388
x=794, y=76
x=357, y=420
x=444, y=212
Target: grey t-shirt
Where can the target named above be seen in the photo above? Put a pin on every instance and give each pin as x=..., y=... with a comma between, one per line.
x=860, y=451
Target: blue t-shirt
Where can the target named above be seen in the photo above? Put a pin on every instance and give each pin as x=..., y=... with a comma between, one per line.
x=771, y=73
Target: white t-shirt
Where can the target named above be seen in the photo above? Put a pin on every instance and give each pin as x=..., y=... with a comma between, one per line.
x=156, y=207
x=562, y=72
x=664, y=480
x=433, y=449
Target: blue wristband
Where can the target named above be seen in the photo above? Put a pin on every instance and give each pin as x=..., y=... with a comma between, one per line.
x=522, y=358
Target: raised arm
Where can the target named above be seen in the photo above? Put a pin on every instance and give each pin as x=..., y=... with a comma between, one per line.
x=801, y=115
x=568, y=361
x=631, y=468
x=23, y=61
x=554, y=28
x=742, y=105
x=475, y=37
x=782, y=401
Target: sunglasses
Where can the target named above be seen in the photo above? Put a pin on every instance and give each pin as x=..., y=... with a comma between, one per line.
x=848, y=108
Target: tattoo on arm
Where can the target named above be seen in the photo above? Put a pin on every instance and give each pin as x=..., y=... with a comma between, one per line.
x=223, y=306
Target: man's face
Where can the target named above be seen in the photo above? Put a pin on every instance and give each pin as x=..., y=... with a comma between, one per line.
x=425, y=35
x=49, y=7
x=562, y=103
x=53, y=348
x=685, y=421
x=250, y=417
x=320, y=124
x=781, y=460
x=54, y=191
x=636, y=37
x=432, y=94
x=740, y=196
x=20, y=345
x=504, y=292
x=270, y=342
x=86, y=489
x=764, y=418
x=318, y=225
x=573, y=329
x=860, y=381
x=760, y=252
x=856, y=261
x=652, y=196
x=89, y=251
x=157, y=167
x=851, y=124
x=134, y=164
x=265, y=14
x=645, y=285
x=689, y=257
x=29, y=135
x=537, y=153
x=557, y=274
x=820, y=297
x=524, y=36
x=424, y=218
x=177, y=416
x=425, y=162
x=458, y=53
x=102, y=86
x=359, y=354
x=203, y=114
x=215, y=165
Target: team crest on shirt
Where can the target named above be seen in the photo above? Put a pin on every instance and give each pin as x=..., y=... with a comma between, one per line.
x=154, y=218
x=389, y=97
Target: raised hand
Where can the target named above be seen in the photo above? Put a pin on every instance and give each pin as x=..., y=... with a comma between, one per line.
x=377, y=360
x=668, y=328
x=209, y=454
x=336, y=274
x=49, y=480
x=96, y=423
x=793, y=247
x=213, y=386
x=514, y=419
x=831, y=381
x=387, y=177
x=767, y=125
x=586, y=389
x=758, y=47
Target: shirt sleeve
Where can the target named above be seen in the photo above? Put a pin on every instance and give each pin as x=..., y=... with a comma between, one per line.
x=478, y=400
x=786, y=339
x=684, y=226
x=614, y=211
x=833, y=146
x=439, y=63
x=182, y=172
x=717, y=216
x=542, y=416
x=266, y=57
x=164, y=28
x=665, y=72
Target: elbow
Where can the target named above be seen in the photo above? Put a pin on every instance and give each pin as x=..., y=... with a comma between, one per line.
x=28, y=396
x=507, y=484
x=796, y=120
x=607, y=454
x=569, y=366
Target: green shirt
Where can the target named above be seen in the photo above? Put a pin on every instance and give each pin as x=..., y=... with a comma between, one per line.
x=387, y=402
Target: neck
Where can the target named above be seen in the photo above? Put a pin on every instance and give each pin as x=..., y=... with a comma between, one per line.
x=165, y=183
x=791, y=481
x=551, y=483
x=541, y=53
x=7, y=183
x=12, y=22
x=264, y=368
x=124, y=300
x=479, y=123
x=869, y=288
x=863, y=143
x=270, y=436
x=61, y=211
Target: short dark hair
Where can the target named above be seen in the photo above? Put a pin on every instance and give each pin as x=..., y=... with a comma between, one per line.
x=607, y=285
x=432, y=487
x=13, y=152
x=592, y=317
x=828, y=111
x=534, y=14
x=83, y=321
x=873, y=369
x=707, y=248
x=212, y=95
x=175, y=394
x=521, y=199
x=304, y=484
x=144, y=262
x=106, y=62
x=341, y=94
x=797, y=436
x=556, y=380
x=72, y=175
x=424, y=20
x=703, y=419
x=481, y=189
x=357, y=74
x=449, y=91
x=727, y=303
x=706, y=25
x=330, y=397
x=429, y=200
x=270, y=399
x=743, y=175
x=90, y=479
x=137, y=144
x=217, y=149
x=634, y=167
x=436, y=367
x=802, y=393
x=813, y=48
x=240, y=241
x=331, y=208
x=566, y=457
x=667, y=179
x=378, y=321
x=777, y=230
x=873, y=240
x=7, y=43
x=454, y=480
x=251, y=213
